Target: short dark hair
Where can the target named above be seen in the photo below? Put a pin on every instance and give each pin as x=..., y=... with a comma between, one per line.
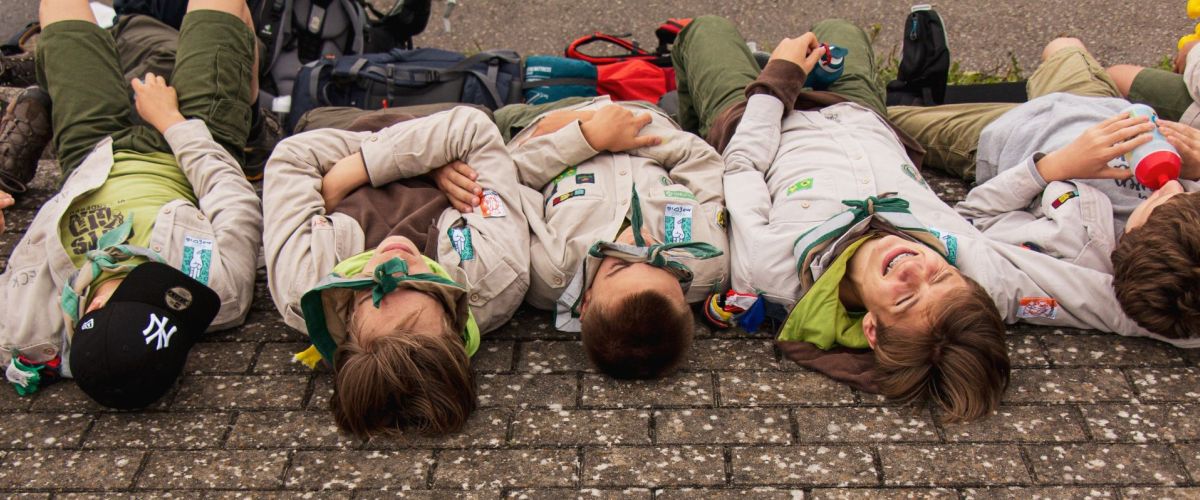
x=1156, y=269
x=961, y=364
x=645, y=335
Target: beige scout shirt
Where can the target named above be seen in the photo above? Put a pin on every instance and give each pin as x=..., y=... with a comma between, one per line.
x=788, y=174
x=586, y=196
x=1191, y=79
x=303, y=243
x=228, y=216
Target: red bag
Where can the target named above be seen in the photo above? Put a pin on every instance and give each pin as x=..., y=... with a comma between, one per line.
x=632, y=73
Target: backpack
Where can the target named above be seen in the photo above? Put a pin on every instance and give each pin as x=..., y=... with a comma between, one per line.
x=405, y=78
x=632, y=73
x=550, y=78
x=924, y=63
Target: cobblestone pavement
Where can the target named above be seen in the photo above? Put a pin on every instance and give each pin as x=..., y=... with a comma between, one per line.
x=1088, y=415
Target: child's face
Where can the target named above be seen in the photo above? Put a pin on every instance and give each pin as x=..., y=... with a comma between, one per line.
x=1142, y=213
x=404, y=308
x=898, y=282
x=617, y=278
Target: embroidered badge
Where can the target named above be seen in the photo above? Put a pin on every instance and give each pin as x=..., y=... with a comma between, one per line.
x=950, y=242
x=723, y=218
x=566, y=196
x=1038, y=307
x=491, y=205
x=1064, y=198
x=680, y=194
x=804, y=184
x=460, y=237
x=677, y=221
x=664, y=181
x=197, y=258
x=585, y=179
x=562, y=176
x=912, y=173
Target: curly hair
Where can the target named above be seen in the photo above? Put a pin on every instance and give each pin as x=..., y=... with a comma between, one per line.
x=1156, y=269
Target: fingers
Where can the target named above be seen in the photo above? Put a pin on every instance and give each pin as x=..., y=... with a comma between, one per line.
x=586, y=115
x=647, y=141
x=6, y=200
x=640, y=121
x=1114, y=119
x=814, y=57
x=810, y=40
x=1123, y=148
x=1114, y=173
x=1129, y=131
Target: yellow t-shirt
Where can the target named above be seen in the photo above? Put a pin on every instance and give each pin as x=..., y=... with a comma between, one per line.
x=138, y=186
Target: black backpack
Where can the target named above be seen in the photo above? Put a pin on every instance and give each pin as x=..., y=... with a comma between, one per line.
x=924, y=63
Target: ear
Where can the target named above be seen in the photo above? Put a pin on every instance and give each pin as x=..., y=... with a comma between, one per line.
x=587, y=299
x=870, y=326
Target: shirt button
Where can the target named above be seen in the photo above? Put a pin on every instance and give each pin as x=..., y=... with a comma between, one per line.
x=557, y=281
x=374, y=138
x=157, y=248
x=805, y=204
x=623, y=172
x=866, y=181
x=25, y=279
x=474, y=297
x=167, y=212
x=49, y=351
x=200, y=216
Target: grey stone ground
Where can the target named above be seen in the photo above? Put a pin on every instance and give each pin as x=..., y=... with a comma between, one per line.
x=1088, y=415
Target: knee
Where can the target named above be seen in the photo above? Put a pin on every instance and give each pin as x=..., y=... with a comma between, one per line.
x=1123, y=75
x=1058, y=44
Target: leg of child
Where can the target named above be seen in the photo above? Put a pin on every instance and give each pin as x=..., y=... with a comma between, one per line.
x=713, y=66
x=950, y=132
x=1068, y=67
x=858, y=82
x=216, y=70
x=1164, y=91
x=77, y=64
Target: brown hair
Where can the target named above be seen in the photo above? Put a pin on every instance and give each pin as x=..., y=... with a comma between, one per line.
x=402, y=380
x=1156, y=269
x=644, y=336
x=961, y=363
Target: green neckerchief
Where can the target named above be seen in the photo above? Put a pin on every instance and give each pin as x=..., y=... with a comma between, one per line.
x=389, y=276
x=820, y=318
x=659, y=255
x=109, y=255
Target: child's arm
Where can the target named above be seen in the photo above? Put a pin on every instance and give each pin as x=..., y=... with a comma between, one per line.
x=1011, y=191
x=611, y=128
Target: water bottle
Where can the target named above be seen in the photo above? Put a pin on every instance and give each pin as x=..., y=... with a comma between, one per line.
x=828, y=69
x=1156, y=162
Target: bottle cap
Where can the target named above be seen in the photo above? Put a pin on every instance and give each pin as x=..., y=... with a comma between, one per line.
x=1158, y=168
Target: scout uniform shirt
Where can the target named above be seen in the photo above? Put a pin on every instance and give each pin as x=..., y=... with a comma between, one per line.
x=486, y=251
x=214, y=240
x=586, y=197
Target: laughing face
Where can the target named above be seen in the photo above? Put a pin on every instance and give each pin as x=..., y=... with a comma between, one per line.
x=898, y=282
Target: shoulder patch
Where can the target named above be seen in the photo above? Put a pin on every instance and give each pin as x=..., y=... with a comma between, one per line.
x=460, y=237
x=491, y=204
x=677, y=223
x=1064, y=198
x=197, y=258
x=1037, y=307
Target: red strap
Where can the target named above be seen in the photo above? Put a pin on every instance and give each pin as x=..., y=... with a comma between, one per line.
x=630, y=50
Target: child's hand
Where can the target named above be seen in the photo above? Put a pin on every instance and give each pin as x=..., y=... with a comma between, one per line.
x=6, y=200
x=1187, y=141
x=1087, y=157
x=614, y=128
x=457, y=181
x=556, y=120
x=1181, y=57
x=804, y=51
x=156, y=102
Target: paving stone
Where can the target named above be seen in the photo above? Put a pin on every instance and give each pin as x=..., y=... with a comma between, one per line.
x=486, y=428
x=271, y=392
x=1162, y=493
x=220, y=357
x=553, y=356
x=144, y=495
x=734, y=426
x=983, y=464
x=262, y=324
x=384, y=493
x=69, y=470
x=1190, y=454
x=281, y=495
x=661, y=466
x=679, y=389
x=499, y=389
x=322, y=392
x=1034, y=493
x=492, y=469
x=1167, y=384
x=1105, y=463
x=761, y=493
x=1026, y=351
x=1110, y=350
x=287, y=430
x=581, y=427
x=247, y=469
x=769, y=388
x=158, y=430
x=586, y=493
x=1021, y=423
x=818, y=425
x=340, y=470
x=493, y=356
x=872, y=494
x=529, y=324
x=276, y=358
x=731, y=354
x=1067, y=385
x=804, y=465
x=1142, y=423
x=11, y=402
x=33, y=496
x=37, y=430
x=66, y=397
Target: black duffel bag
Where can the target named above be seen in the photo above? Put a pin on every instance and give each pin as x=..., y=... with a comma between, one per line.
x=405, y=78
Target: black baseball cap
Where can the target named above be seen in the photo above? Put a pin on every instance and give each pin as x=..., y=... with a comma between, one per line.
x=128, y=354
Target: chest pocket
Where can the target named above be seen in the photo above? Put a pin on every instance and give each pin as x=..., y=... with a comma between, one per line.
x=812, y=197
x=191, y=247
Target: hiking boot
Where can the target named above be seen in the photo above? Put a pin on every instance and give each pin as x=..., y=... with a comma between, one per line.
x=265, y=132
x=24, y=132
x=18, y=70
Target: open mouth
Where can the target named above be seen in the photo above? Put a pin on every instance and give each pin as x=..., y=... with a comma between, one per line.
x=893, y=259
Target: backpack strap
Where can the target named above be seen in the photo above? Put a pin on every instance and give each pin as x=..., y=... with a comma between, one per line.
x=631, y=49
x=668, y=31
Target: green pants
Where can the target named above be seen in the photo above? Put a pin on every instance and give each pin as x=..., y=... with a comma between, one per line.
x=512, y=119
x=1162, y=90
x=79, y=66
x=713, y=66
x=950, y=133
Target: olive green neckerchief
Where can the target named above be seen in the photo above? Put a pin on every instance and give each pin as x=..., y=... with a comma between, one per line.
x=109, y=254
x=820, y=318
x=386, y=278
x=656, y=255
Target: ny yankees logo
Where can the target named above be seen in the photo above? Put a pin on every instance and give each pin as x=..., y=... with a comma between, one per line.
x=161, y=334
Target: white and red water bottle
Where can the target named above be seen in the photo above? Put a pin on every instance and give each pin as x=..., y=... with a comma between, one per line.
x=1156, y=162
